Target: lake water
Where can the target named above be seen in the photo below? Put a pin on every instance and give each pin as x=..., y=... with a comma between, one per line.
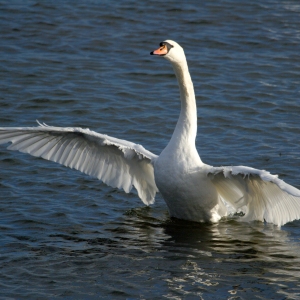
x=87, y=63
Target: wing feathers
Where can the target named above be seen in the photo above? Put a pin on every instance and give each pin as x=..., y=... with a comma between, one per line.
x=259, y=194
x=116, y=162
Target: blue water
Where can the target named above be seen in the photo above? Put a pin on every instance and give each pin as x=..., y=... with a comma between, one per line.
x=66, y=235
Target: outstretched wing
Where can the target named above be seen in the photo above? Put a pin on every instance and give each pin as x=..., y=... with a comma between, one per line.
x=259, y=194
x=116, y=162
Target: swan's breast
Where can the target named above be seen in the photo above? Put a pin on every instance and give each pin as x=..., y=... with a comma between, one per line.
x=186, y=189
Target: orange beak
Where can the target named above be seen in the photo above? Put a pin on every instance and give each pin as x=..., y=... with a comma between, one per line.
x=163, y=50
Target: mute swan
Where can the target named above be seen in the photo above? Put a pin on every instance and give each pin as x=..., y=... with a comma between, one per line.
x=192, y=190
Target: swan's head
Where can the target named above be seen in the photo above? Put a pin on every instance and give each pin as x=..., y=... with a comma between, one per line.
x=171, y=51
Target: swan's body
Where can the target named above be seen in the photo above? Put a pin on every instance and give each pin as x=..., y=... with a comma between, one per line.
x=192, y=190
x=179, y=172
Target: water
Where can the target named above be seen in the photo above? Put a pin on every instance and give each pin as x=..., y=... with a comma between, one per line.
x=65, y=235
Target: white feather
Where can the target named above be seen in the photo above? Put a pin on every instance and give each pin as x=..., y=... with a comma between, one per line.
x=116, y=162
x=259, y=194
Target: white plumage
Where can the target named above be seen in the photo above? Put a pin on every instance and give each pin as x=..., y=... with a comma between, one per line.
x=116, y=162
x=192, y=190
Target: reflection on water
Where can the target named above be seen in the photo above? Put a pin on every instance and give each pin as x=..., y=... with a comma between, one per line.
x=144, y=253
x=227, y=258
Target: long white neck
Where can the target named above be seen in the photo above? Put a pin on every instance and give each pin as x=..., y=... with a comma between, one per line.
x=186, y=129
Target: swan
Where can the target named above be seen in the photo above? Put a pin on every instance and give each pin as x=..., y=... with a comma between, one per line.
x=192, y=190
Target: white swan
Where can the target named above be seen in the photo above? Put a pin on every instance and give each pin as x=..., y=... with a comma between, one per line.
x=192, y=190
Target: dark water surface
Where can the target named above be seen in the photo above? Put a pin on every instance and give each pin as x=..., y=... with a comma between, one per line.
x=71, y=63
